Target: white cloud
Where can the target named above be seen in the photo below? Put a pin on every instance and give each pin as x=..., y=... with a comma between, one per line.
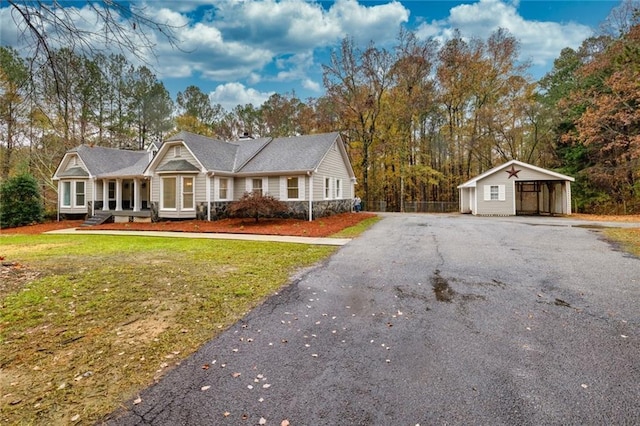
x=540, y=41
x=230, y=95
x=309, y=84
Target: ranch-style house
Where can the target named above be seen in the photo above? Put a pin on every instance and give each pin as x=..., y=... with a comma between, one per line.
x=190, y=176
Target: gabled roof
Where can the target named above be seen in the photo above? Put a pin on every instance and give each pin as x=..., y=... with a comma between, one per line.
x=262, y=155
x=213, y=154
x=552, y=175
x=177, y=166
x=297, y=153
x=104, y=162
x=74, y=172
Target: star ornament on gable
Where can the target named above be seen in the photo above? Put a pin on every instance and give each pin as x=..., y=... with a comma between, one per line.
x=513, y=172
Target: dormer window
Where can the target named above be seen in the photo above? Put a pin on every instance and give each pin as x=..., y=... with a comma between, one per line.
x=74, y=161
x=177, y=151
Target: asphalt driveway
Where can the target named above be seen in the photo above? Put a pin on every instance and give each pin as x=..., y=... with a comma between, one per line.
x=430, y=320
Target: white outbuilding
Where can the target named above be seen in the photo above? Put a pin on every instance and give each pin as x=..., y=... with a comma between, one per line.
x=517, y=188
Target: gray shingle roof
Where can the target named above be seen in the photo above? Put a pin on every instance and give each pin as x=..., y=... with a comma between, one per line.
x=212, y=153
x=74, y=172
x=298, y=153
x=102, y=162
x=177, y=166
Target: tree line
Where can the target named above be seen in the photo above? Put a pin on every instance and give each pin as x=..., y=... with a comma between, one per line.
x=418, y=119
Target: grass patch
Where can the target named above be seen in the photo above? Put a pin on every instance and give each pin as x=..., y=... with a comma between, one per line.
x=101, y=317
x=628, y=238
x=355, y=230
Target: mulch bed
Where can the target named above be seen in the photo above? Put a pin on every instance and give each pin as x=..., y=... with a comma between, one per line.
x=322, y=227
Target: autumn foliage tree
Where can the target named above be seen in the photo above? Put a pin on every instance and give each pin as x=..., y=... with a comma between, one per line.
x=607, y=130
x=256, y=205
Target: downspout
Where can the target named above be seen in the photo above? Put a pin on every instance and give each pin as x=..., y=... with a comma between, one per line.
x=58, y=203
x=208, y=186
x=310, y=174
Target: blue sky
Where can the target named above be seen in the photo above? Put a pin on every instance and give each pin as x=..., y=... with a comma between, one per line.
x=242, y=51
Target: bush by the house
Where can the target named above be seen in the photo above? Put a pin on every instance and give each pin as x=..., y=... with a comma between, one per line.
x=20, y=202
x=257, y=205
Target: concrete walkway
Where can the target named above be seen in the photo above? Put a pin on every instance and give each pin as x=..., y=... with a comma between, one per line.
x=217, y=236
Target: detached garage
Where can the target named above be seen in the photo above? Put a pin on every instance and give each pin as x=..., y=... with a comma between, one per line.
x=517, y=188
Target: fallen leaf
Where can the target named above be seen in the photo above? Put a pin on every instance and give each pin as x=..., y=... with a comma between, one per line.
x=262, y=421
x=204, y=388
x=284, y=423
x=266, y=386
x=584, y=385
x=75, y=418
x=236, y=374
x=226, y=414
x=137, y=401
x=205, y=367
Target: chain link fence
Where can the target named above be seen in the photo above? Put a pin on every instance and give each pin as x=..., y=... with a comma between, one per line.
x=418, y=207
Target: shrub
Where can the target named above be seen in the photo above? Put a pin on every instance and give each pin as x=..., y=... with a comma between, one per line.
x=20, y=202
x=256, y=205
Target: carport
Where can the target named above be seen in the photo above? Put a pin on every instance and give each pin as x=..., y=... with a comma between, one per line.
x=517, y=188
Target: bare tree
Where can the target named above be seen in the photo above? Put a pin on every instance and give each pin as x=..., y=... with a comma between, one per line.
x=120, y=25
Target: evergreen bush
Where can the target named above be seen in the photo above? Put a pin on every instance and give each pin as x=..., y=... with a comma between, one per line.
x=20, y=202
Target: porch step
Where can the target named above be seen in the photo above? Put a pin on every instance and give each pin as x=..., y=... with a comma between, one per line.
x=98, y=219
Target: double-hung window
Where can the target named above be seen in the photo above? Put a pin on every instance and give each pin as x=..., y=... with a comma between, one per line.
x=223, y=188
x=338, y=189
x=494, y=193
x=187, y=193
x=80, y=198
x=327, y=188
x=256, y=186
x=293, y=188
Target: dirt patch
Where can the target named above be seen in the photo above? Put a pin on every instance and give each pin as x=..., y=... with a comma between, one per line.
x=322, y=227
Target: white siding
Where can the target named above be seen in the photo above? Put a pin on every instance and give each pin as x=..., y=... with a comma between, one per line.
x=333, y=166
x=505, y=205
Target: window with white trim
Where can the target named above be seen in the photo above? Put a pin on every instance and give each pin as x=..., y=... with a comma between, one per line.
x=79, y=198
x=168, y=191
x=494, y=193
x=223, y=188
x=73, y=193
x=327, y=188
x=338, y=188
x=66, y=194
x=177, y=151
x=256, y=186
x=293, y=188
x=188, y=201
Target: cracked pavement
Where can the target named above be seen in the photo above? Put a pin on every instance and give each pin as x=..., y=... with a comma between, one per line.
x=431, y=320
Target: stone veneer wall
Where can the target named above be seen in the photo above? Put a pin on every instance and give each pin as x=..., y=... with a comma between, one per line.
x=297, y=209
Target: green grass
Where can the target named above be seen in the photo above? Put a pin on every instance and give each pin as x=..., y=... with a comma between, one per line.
x=628, y=238
x=86, y=322
x=358, y=229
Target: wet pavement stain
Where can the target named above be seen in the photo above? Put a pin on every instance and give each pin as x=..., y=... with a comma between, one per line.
x=441, y=288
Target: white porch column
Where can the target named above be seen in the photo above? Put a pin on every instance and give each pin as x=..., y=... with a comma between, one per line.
x=118, y=195
x=137, y=196
x=105, y=194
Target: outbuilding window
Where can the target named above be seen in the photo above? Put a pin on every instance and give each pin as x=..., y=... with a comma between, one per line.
x=494, y=193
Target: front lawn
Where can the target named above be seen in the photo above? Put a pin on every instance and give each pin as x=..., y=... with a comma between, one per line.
x=86, y=322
